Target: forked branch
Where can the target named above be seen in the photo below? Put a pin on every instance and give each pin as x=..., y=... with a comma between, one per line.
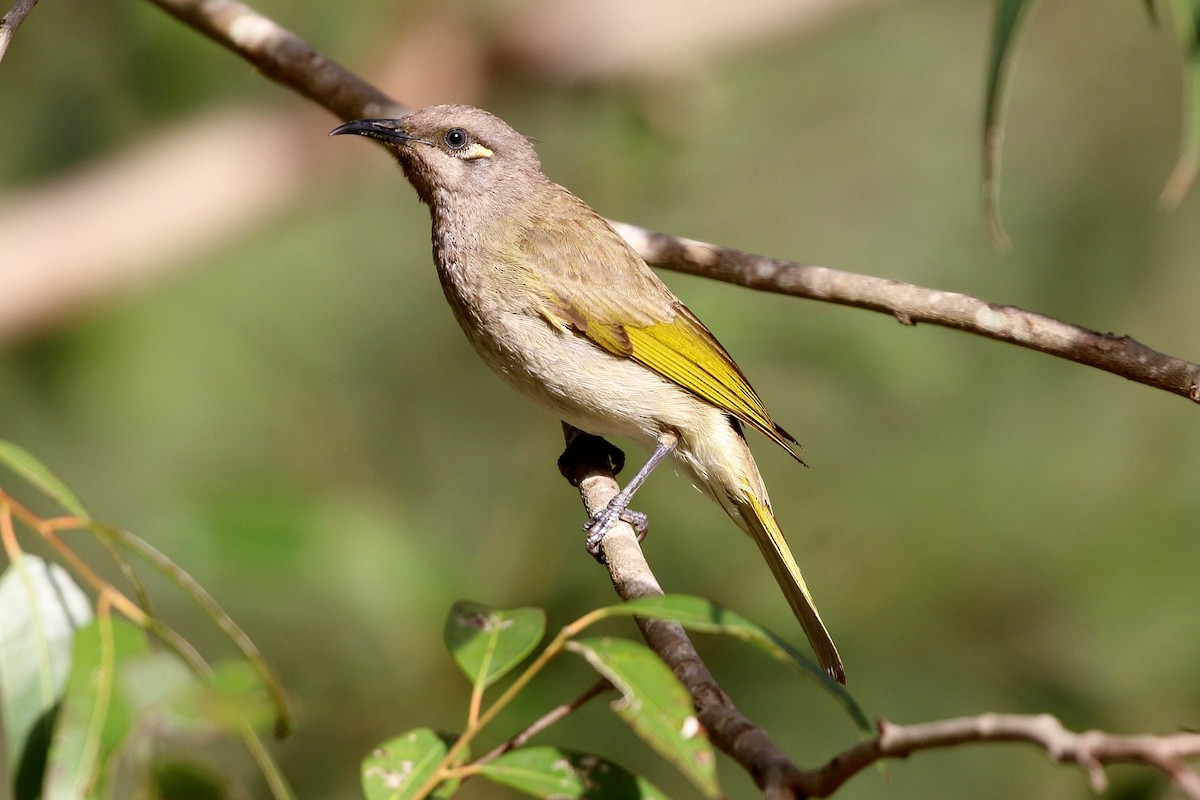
x=1091, y=751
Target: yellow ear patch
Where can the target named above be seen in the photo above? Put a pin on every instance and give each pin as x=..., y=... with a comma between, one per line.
x=474, y=151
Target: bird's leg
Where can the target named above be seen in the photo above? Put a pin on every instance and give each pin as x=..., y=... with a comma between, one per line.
x=618, y=507
x=586, y=454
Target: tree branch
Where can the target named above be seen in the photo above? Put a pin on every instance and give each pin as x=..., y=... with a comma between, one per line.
x=284, y=57
x=1091, y=751
x=590, y=464
x=911, y=304
x=11, y=21
x=543, y=722
x=288, y=60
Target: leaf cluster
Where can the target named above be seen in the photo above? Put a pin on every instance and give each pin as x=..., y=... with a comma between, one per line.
x=488, y=644
x=98, y=697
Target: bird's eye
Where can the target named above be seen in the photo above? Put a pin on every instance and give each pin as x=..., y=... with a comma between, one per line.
x=455, y=138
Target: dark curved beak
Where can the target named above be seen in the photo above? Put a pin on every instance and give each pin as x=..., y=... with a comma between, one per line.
x=385, y=130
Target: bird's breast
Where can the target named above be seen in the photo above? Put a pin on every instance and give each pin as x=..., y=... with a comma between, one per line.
x=499, y=302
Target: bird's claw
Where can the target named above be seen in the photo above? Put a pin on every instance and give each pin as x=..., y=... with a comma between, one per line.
x=598, y=527
x=639, y=522
x=602, y=521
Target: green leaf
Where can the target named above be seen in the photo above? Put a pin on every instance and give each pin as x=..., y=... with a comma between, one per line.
x=399, y=767
x=169, y=702
x=552, y=773
x=152, y=681
x=95, y=716
x=20, y=461
x=41, y=608
x=1185, y=17
x=1004, y=32
x=488, y=642
x=698, y=614
x=235, y=697
x=176, y=778
x=201, y=596
x=655, y=704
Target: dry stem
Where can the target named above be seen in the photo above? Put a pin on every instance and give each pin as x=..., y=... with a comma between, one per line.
x=1091, y=751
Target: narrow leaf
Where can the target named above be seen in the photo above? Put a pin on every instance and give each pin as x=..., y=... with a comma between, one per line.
x=399, y=767
x=1152, y=11
x=1185, y=16
x=698, y=614
x=202, y=598
x=1004, y=32
x=548, y=772
x=655, y=704
x=177, y=776
x=94, y=717
x=488, y=642
x=22, y=462
x=166, y=701
x=161, y=690
x=41, y=608
x=276, y=783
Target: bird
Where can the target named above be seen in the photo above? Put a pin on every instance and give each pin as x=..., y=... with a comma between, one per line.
x=567, y=313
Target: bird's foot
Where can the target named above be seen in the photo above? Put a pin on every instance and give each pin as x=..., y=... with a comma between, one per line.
x=602, y=521
x=639, y=521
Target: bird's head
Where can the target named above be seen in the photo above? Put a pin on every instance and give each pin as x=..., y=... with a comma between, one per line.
x=456, y=150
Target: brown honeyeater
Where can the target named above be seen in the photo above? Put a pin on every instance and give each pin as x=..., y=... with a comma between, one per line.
x=568, y=314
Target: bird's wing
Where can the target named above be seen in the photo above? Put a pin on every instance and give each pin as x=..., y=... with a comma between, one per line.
x=607, y=294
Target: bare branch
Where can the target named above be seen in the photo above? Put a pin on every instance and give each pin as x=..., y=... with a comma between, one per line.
x=1091, y=751
x=591, y=464
x=911, y=304
x=284, y=57
x=11, y=21
x=287, y=59
x=545, y=721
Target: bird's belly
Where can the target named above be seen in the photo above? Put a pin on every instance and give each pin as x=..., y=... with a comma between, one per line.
x=580, y=382
x=606, y=395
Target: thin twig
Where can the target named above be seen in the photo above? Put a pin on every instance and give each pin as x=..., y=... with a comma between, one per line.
x=288, y=60
x=11, y=21
x=545, y=721
x=1091, y=751
x=8, y=534
x=108, y=594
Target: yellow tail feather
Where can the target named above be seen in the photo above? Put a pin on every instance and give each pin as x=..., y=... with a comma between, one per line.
x=760, y=523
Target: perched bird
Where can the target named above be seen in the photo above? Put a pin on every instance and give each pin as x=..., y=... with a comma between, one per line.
x=557, y=303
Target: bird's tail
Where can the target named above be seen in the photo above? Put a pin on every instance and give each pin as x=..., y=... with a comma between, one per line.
x=757, y=519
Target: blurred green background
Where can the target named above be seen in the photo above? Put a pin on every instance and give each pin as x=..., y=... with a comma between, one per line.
x=293, y=415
